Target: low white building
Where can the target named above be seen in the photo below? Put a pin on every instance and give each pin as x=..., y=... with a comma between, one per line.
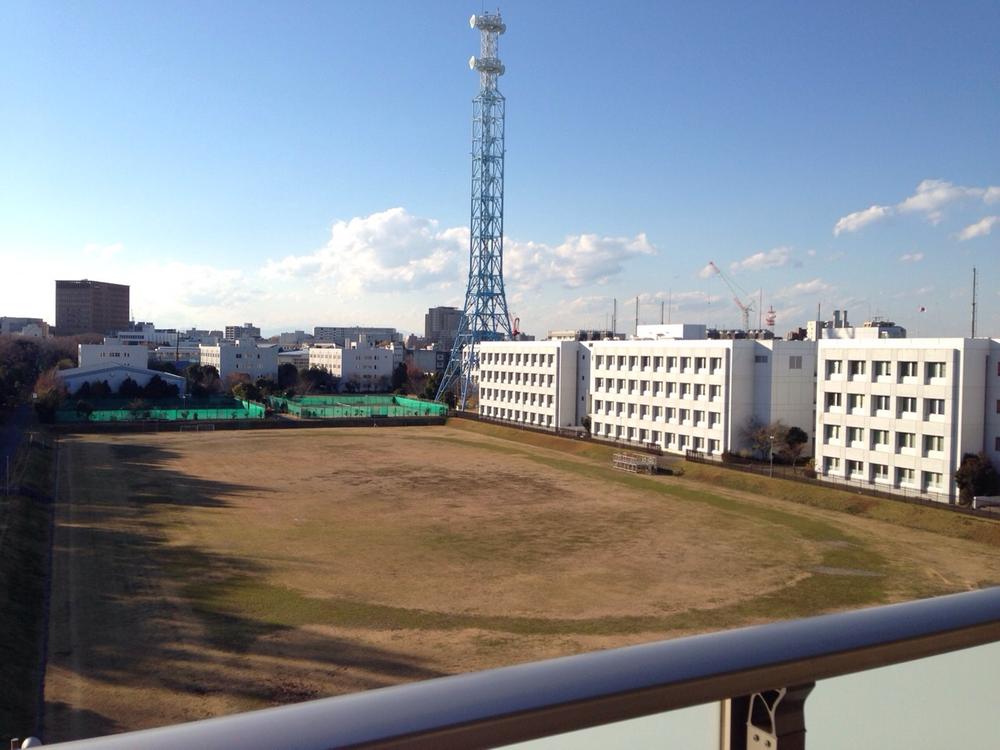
x=676, y=394
x=899, y=414
x=701, y=395
x=361, y=366
x=241, y=357
x=114, y=374
x=92, y=355
x=532, y=383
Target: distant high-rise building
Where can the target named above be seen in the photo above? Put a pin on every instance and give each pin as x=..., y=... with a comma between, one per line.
x=441, y=326
x=245, y=331
x=343, y=336
x=91, y=307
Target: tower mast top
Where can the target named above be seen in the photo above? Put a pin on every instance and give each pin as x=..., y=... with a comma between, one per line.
x=488, y=64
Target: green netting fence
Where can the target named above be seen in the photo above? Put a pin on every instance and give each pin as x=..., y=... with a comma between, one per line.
x=167, y=410
x=353, y=406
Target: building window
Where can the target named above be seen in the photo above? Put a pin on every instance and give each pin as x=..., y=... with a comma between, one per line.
x=714, y=391
x=685, y=363
x=699, y=363
x=881, y=403
x=996, y=444
x=904, y=476
x=934, y=406
x=833, y=367
x=907, y=369
x=856, y=402
x=831, y=432
x=657, y=363
x=932, y=480
x=880, y=473
x=856, y=367
x=795, y=363
x=880, y=439
x=933, y=443
x=831, y=464
x=855, y=435
x=906, y=440
x=716, y=362
x=907, y=405
x=883, y=369
x=855, y=469
x=760, y=359
x=833, y=400
x=935, y=370
x=671, y=363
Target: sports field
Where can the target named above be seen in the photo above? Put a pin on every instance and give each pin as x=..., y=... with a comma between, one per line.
x=197, y=574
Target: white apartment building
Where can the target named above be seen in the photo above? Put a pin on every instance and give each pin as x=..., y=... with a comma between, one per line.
x=991, y=417
x=94, y=355
x=242, y=356
x=362, y=365
x=900, y=413
x=533, y=383
x=699, y=395
x=678, y=395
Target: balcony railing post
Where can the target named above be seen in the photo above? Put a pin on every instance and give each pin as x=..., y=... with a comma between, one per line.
x=770, y=720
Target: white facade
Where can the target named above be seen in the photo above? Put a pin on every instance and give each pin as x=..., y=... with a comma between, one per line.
x=241, y=357
x=93, y=355
x=532, y=383
x=362, y=366
x=900, y=413
x=699, y=395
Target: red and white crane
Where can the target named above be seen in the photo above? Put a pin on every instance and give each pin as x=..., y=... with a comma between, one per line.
x=745, y=307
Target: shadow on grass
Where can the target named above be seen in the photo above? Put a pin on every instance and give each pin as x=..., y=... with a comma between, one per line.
x=126, y=622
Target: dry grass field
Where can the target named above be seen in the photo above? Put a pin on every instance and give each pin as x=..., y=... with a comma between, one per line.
x=197, y=574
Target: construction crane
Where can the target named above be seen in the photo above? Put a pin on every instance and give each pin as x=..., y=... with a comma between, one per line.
x=745, y=307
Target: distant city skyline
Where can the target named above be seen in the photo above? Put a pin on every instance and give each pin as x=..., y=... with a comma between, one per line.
x=308, y=165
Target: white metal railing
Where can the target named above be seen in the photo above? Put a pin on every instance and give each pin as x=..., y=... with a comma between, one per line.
x=767, y=671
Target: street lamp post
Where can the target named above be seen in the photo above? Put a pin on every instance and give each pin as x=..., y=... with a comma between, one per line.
x=770, y=451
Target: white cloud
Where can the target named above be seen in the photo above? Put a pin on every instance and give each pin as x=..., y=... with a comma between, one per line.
x=386, y=251
x=911, y=257
x=581, y=260
x=980, y=229
x=774, y=258
x=857, y=220
x=933, y=195
x=707, y=272
x=930, y=199
x=803, y=288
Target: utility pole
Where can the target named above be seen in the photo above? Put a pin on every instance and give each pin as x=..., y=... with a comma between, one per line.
x=661, y=312
x=973, y=302
x=636, y=332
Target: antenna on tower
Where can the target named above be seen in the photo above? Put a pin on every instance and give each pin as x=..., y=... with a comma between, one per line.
x=485, y=316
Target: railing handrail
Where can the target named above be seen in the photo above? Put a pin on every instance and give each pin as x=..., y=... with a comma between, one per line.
x=527, y=701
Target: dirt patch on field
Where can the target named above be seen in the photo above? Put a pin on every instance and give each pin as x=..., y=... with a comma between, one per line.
x=204, y=573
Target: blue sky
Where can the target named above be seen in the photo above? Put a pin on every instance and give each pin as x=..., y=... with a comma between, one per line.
x=300, y=164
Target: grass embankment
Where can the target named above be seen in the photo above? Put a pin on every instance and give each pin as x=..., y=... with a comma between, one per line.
x=936, y=520
x=25, y=529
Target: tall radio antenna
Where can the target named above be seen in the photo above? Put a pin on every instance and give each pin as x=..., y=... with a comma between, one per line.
x=485, y=316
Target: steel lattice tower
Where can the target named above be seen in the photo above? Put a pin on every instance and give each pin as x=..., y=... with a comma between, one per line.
x=485, y=316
